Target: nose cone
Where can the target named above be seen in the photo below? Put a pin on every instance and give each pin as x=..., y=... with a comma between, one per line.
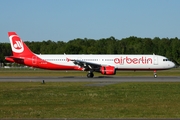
x=171, y=65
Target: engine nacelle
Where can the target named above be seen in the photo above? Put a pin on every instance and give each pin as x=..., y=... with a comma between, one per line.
x=108, y=70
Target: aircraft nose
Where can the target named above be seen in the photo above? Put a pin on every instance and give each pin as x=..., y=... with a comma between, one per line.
x=172, y=65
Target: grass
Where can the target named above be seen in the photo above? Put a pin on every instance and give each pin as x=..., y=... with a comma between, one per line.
x=79, y=100
x=40, y=72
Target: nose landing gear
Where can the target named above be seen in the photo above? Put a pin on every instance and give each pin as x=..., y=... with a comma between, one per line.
x=155, y=74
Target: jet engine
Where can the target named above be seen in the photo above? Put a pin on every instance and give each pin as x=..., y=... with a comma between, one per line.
x=108, y=70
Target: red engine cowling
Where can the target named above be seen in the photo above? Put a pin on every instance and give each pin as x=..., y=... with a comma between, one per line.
x=108, y=70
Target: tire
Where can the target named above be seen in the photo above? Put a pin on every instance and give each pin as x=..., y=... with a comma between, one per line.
x=155, y=75
x=90, y=75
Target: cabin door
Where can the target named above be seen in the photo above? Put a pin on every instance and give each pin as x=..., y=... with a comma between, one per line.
x=34, y=60
x=155, y=60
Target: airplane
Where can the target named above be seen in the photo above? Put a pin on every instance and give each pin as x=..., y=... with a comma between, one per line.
x=105, y=64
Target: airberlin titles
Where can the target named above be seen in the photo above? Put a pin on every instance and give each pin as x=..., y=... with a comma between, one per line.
x=135, y=60
x=128, y=60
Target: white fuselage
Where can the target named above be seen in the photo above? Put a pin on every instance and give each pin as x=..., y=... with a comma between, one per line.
x=132, y=62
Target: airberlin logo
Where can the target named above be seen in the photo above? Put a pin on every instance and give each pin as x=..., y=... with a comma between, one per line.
x=16, y=44
x=127, y=60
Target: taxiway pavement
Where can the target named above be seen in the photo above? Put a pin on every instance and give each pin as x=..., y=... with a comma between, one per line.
x=95, y=79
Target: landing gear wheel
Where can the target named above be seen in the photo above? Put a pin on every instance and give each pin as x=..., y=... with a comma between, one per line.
x=155, y=75
x=90, y=75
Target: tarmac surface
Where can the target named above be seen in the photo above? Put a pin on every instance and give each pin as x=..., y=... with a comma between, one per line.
x=109, y=79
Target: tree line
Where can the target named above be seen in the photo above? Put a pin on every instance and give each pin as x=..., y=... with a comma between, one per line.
x=169, y=47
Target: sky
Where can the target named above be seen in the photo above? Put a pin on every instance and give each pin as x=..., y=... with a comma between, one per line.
x=64, y=20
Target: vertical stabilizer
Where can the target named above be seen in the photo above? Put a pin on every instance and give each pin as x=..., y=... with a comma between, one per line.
x=18, y=47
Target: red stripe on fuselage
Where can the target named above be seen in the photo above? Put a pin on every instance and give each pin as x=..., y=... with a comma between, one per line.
x=37, y=62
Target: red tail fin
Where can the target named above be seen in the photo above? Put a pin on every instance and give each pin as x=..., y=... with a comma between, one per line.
x=19, y=48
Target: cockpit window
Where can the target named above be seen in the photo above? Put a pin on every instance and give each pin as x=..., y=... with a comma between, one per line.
x=165, y=60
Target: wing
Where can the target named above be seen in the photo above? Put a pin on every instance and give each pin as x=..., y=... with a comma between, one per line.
x=87, y=66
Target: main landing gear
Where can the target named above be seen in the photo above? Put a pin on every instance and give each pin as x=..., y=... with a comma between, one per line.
x=90, y=74
x=155, y=74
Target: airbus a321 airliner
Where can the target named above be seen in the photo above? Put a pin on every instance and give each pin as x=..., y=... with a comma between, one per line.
x=105, y=64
